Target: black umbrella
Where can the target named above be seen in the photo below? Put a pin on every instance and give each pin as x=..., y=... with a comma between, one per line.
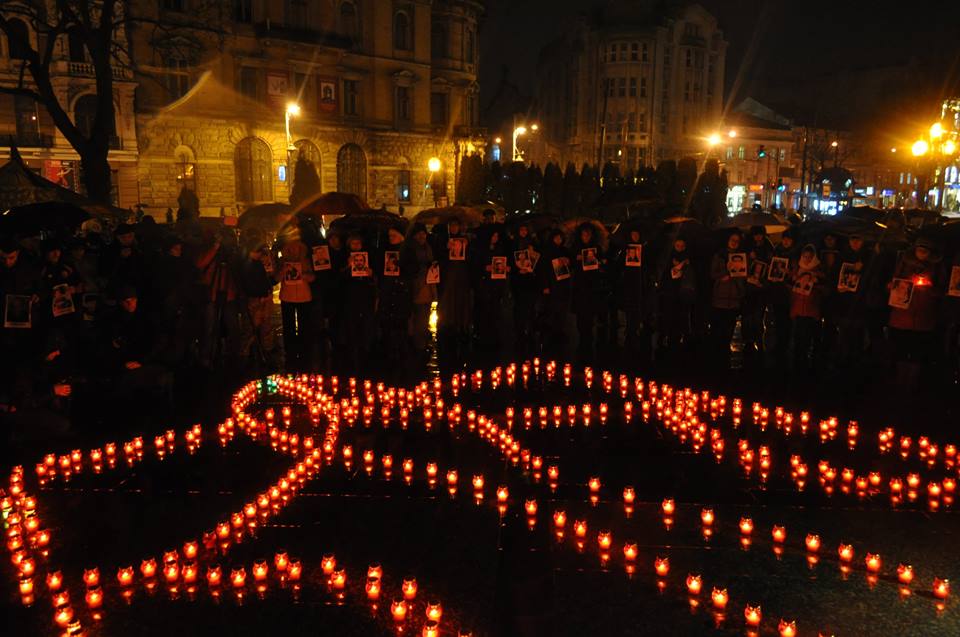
x=49, y=216
x=267, y=217
x=370, y=221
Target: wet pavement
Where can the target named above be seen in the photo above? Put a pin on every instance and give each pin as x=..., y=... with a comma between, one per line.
x=503, y=571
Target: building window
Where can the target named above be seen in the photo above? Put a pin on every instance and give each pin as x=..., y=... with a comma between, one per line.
x=611, y=86
x=729, y=153
x=243, y=10
x=403, y=186
x=643, y=87
x=186, y=172
x=84, y=115
x=172, y=5
x=470, y=55
x=176, y=76
x=296, y=14
x=633, y=87
x=249, y=84
x=622, y=87
x=689, y=58
x=644, y=55
x=307, y=151
x=634, y=51
x=439, y=109
x=623, y=51
x=351, y=97
x=667, y=55
x=352, y=170
x=783, y=154
x=18, y=39
x=741, y=152
x=28, y=125
x=349, y=22
x=403, y=104
x=642, y=122
x=439, y=41
x=76, y=48
x=253, y=165
x=402, y=38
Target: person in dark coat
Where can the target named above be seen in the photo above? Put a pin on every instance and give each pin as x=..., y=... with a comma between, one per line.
x=257, y=283
x=453, y=250
x=395, y=305
x=778, y=296
x=18, y=278
x=122, y=263
x=759, y=250
x=727, y=296
x=554, y=276
x=358, y=321
x=58, y=291
x=418, y=257
x=523, y=288
x=849, y=305
x=630, y=278
x=678, y=294
x=588, y=286
x=489, y=290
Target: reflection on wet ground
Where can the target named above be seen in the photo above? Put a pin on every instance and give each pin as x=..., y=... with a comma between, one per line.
x=526, y=500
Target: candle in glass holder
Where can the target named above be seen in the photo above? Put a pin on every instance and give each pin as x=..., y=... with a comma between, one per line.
x=434, y=611
x=294, y=570
x=941, y=588
x=694, y=583
x=559, y=519
x=779, y=534
x=260, y=570
x=719, y=597
x=431, y=629
x=478, y=483
x=171, y=572
x=148, y=568
x=63, y=616
x=905, y=573
x=452, y=477
x=281, y=561
x=787, y=628
x=661, y=565
x=502, y=494
x=373, y=589
x=594, y=484
x=28, y=566
x=54, y=581
x=707, y=517
x=328, y=563
x=604, y=540
x=752, y=615
x=398, y=610
x=812, y=542
x=125, y=576
x=668, y=506
x=580, y=528
x=746, y=526
x=873, y=562
x=629, y=495
x=845, y=553
x=238, y=576
x=530, y=506
x=409, y=588
x=338, y=579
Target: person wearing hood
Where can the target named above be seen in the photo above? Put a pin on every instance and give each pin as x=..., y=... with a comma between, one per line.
x=359, y=304
x=806, y=313
x=523, y=284
x=331, y=288
x=454, y=251
x=728, y=272
x=491, y=271
x=295, y=271
x=588, y=299
x=677, y=296
x=553, y=276
x=418, y=257
x=913, y=317
x=394, y=306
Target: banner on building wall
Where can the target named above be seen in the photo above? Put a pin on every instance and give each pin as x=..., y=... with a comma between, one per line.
x=62, y=173
x=328, y=94
x=278, y=88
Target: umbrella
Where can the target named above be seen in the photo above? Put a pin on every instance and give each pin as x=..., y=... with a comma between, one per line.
x=331, y=203
x=370, y=221
x=747, y=220
x=45, y=216
x=469, y=217
x=678, y=219
x=268, y=217
x=570, y=226
x=866, y=213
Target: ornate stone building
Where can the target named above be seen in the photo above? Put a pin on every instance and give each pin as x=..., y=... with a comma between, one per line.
x=380, y=87
x=632, y=83
x=27, y=125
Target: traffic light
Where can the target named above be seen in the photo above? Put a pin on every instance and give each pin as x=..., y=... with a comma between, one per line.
x=761, y=151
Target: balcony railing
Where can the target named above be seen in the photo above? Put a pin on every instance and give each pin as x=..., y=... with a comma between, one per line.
x=27, y=140
x=86, y=69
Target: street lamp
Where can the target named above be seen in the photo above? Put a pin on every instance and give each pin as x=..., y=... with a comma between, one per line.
x=713, y=140
x=293, y=110
x=936, y=130
x=517, y=132
x=732, y=133
x=919, y=148
x=434, y=165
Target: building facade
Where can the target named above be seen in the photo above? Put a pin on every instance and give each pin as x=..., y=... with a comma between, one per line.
x=379, y=86
x=27, y=125
x=632, y=86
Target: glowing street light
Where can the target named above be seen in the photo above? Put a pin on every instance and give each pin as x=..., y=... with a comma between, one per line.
x=293, y=110
x=517, y=132
x=732, y=133
x=919, y=148
x=936, y=131
x=433, y=164
x=949, y=147
x=714, y=139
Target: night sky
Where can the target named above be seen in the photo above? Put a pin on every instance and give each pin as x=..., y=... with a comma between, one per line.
x=793, y=42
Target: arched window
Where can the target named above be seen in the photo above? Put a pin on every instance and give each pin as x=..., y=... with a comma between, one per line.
x=85, y=113
x=308, y=151
x=186, y=169
x=253, y=165
x=402, y=39
x=352, y=170
x=349, y=21
x=439, y=40
x=18, y=39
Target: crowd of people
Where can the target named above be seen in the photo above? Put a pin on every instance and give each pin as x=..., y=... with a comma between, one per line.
x=126, y=314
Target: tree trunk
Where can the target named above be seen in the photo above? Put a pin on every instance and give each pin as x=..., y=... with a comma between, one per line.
x=96, y=174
